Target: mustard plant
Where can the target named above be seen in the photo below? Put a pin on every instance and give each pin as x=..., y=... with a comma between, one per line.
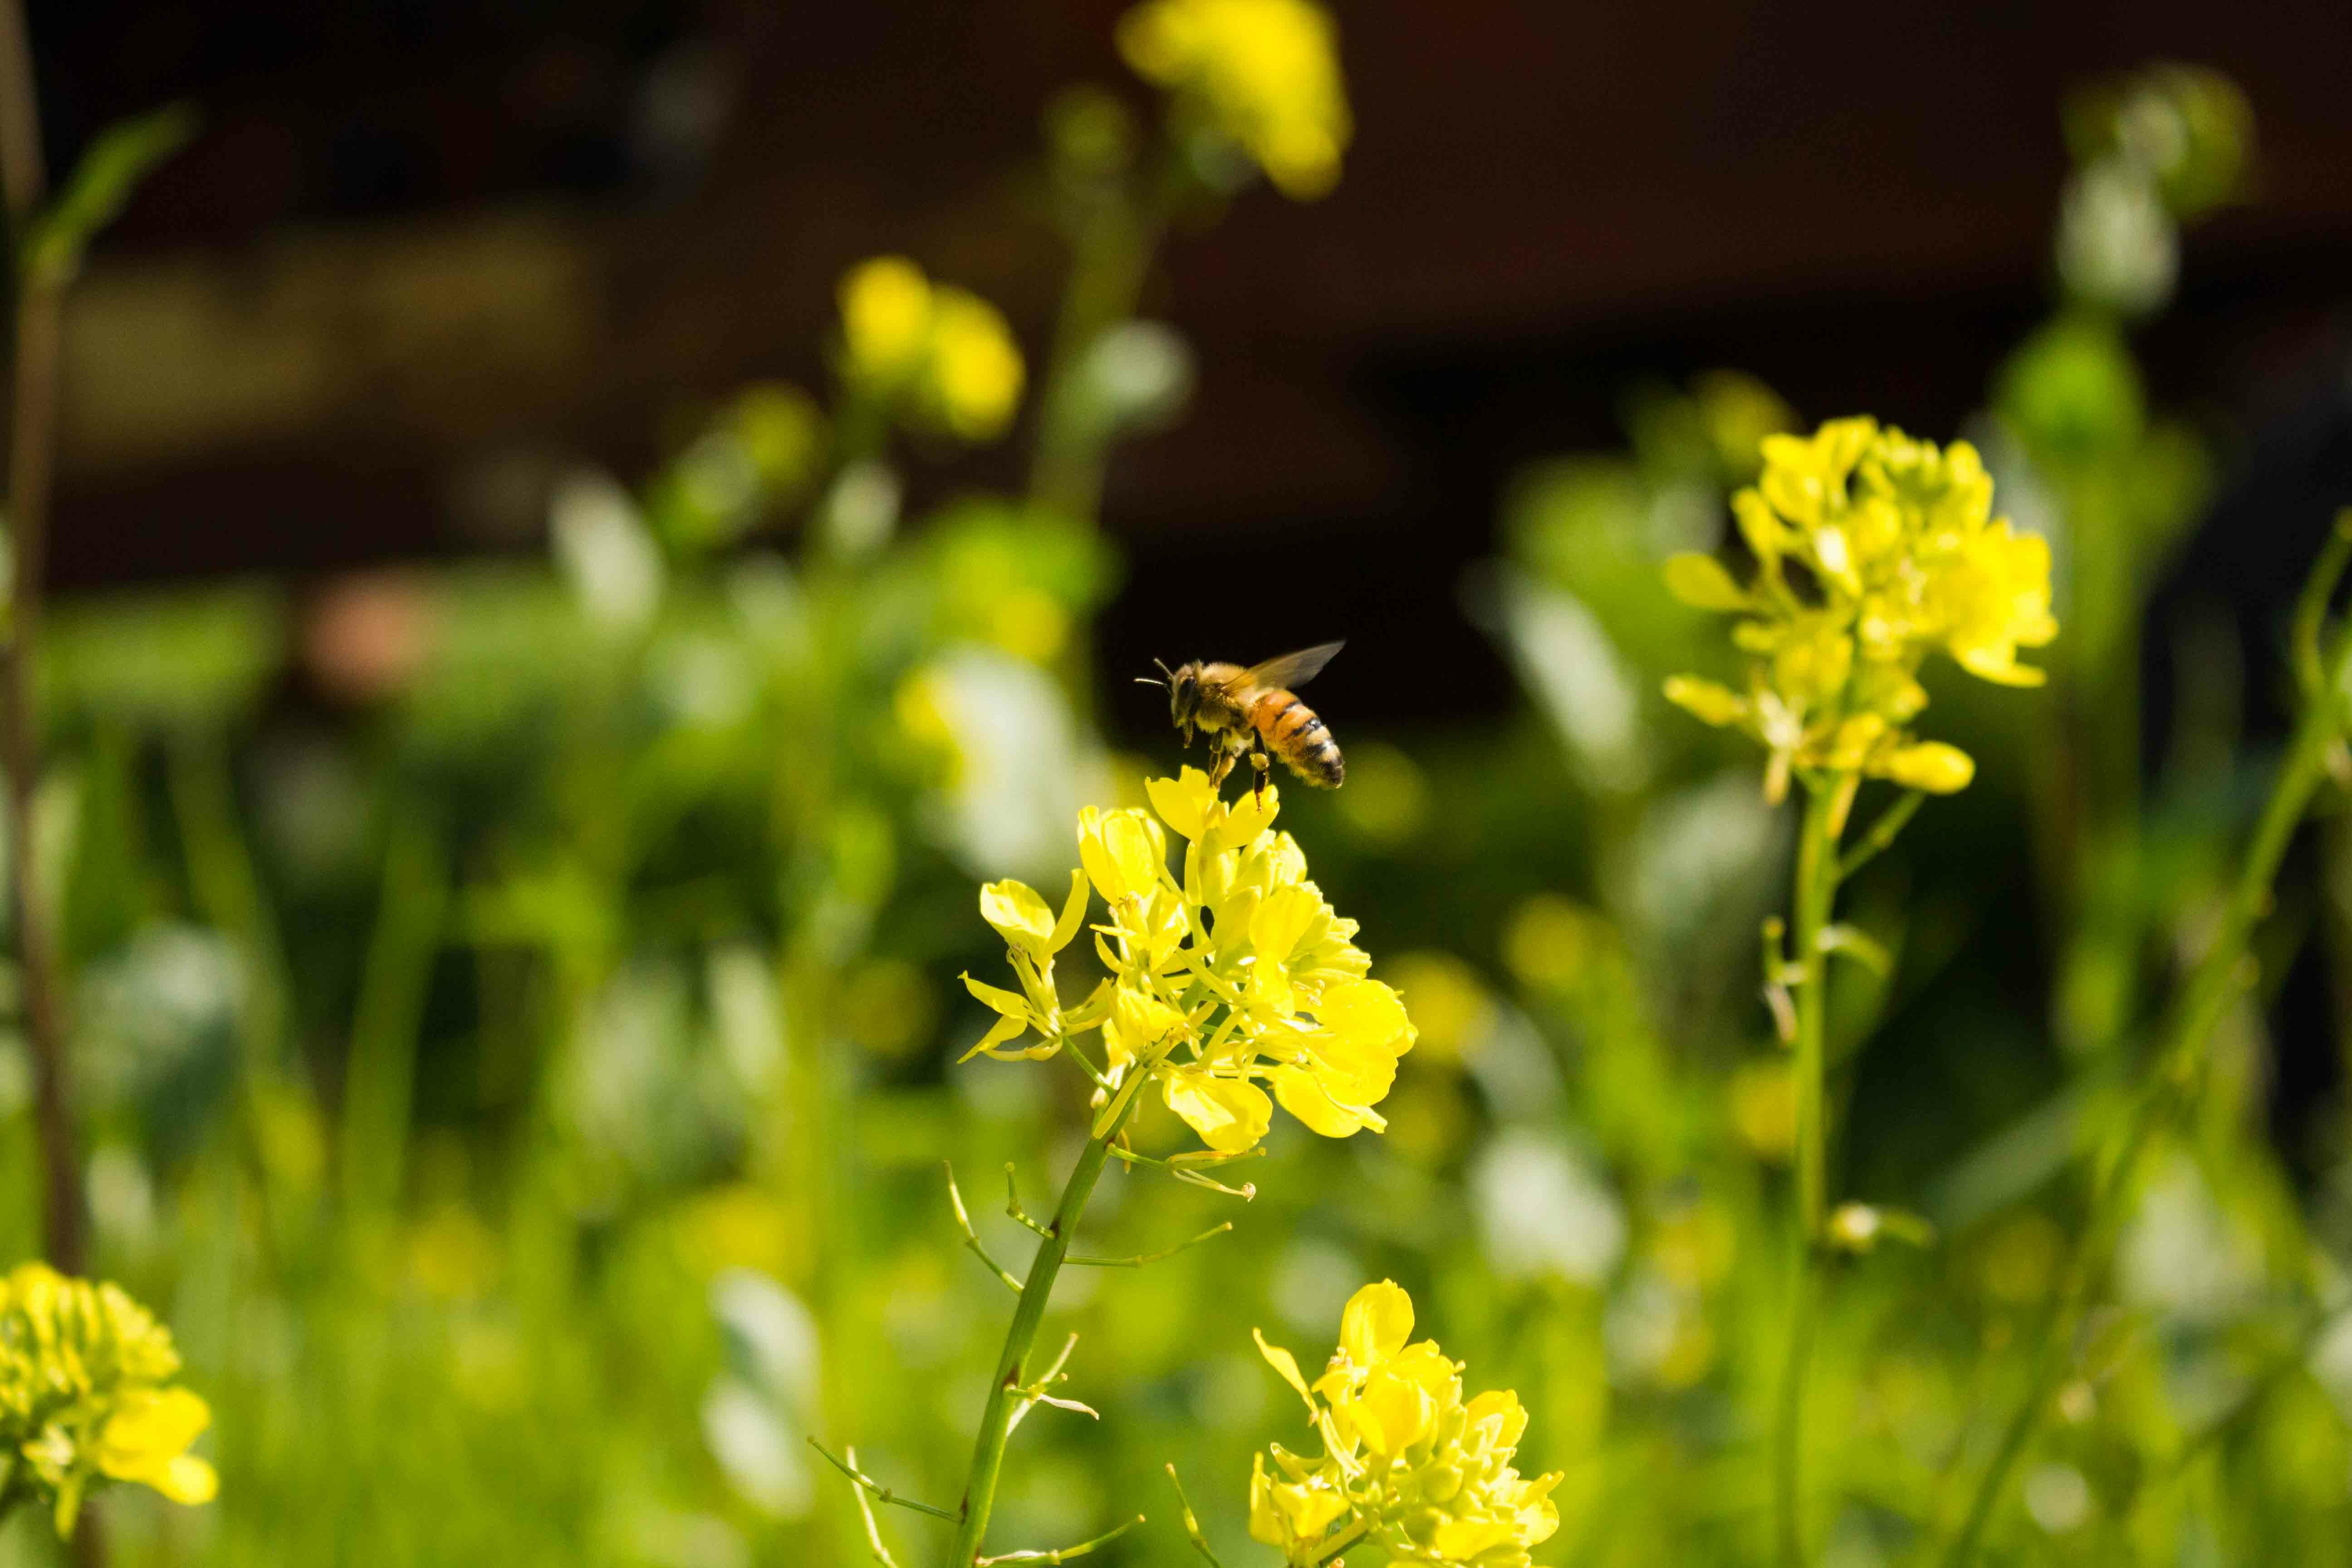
x=1873, y=550
x=1408, y=1464
x=1220, y=980
x=87, y=1399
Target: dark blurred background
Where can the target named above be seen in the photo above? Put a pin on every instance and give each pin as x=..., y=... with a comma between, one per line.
x=427, y=252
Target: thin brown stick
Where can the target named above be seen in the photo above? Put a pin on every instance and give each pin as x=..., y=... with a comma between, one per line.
x=32, y=441
x=31, y=450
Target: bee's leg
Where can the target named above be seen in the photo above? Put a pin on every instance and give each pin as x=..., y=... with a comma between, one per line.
x=1262, y=763
x=1224, y=764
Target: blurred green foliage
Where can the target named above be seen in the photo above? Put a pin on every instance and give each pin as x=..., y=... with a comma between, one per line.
x=513, y=1005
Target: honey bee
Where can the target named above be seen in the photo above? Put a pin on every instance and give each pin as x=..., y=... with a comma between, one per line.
x=1254, y=712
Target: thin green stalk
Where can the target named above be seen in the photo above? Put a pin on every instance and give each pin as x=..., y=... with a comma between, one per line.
x=996, y=1419
x=1816, y=889
x=379, y=1080
x=1112, y=249
x=1111, y=254
x=2218, y=978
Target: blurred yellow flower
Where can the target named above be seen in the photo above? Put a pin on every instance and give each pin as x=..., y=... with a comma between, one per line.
x=1450, y=1003
x=886, y=318
x=1264, y=73
x=84, y=1395
x=975, y=370
x=1897, y=555
x=1550, y=941
x=939, y=352
x=1407, y=1464
x=1236, y=981
x=1763, y=1096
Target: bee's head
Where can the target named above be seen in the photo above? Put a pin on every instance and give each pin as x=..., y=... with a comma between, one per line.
x=1184, y=691
x=1183, y=685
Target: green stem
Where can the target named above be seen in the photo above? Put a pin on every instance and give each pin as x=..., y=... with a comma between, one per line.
x=1816, y=890
x=2218, y=978
x=1340, y=1543
x=380, y=1080
x=1111, y=251
x=996, y=1419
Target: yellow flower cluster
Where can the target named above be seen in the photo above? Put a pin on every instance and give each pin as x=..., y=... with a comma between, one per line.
x=1265, y=73
x=1407, y=1466
x=82, y=1396
x=1897, y=553
x=944, y=353
x=1237, y=976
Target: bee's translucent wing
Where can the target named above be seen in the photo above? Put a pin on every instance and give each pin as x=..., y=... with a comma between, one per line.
x=1292, y=669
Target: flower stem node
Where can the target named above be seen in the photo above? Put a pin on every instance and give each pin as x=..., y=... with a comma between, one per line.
x=1858, y=1227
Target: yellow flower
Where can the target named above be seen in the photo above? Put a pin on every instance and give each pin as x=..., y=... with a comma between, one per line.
x=975, y=370
x=937, y=352
x=1124, y=852
x=146, y=1440
x=84, y=1395
x=1235, y=979
x=1407, y=1464
x=1264, y=73
x=886, y=318
x=1034, y=934
x=1897, y=555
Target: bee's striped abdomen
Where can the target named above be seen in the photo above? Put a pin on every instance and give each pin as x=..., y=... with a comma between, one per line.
x=1293, y=732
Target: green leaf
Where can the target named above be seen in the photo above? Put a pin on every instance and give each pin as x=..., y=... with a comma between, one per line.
x=101, y=185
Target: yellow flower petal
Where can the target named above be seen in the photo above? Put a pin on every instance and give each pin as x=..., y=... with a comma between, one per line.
x=1073, y=916
x=1392, y=1414
x=1304, y=1098
x=1307, y=1511
x=1461, y=1539
x=1184, y=801
x=1285, y=1365
x=1250, y=813
x=1280, y=922
x=1366, y=1013
x=1009, y=1004
x=1004, y=1029
x=1376, y=1324
x=1230, y=1114
x=1020, y=916
x=1124, y=852
x=190, y=1481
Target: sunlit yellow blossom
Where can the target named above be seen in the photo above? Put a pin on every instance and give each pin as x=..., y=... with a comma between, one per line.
x=1231, y=989
x=1873, y=550
x=940, y=354
x=975, y=370
x=1265, y=73
x=84, y=1395
x=886, y=318
x=1407, y=1464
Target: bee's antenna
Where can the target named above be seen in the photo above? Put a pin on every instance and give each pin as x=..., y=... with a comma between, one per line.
x=1167, y=673
x=1147, y=680
x=1165, y=670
